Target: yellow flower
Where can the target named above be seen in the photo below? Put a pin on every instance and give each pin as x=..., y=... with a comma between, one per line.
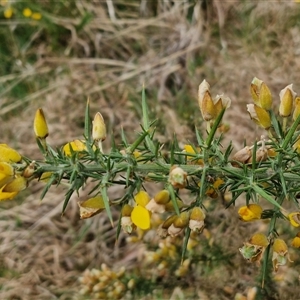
x=259, y=115
x=250, y=212
x=142, y=198
x=27, y=12
x=213, y=190
x=255, y=247
x=10, y=190
x=8, y=12
x=8, y=154
x=40, y=125
x=140, y=217
x=196, y=222
x=296, y=241
x=36, y=16
x=280, y=254
x=294, y=219
x=191, y=158
x=6, y=173
x=76, y=146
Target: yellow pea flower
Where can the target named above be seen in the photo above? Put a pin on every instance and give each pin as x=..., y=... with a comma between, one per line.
x=10, y=190
x=280, y=254
x=255, y=247
x=6, y=173
x=140, y=217
x=296, y=241
x=27, y=12
x=142, y=198
x=294, y=218
x=8, y=154
x=76, y=145
x=8, y=12
x=36, y=16
x=250, y=212
x=190, y=158
x=196, y=222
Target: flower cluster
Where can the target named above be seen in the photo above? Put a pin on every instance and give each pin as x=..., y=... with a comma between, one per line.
x=105, y=283
x=10, y=10
x=139, y=215
x=11, y=180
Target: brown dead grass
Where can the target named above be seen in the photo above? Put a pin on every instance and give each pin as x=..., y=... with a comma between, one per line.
x=109, y=61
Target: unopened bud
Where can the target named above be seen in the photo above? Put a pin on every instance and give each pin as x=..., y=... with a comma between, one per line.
x=40, y=125
x=99, y=128
x=287, y=96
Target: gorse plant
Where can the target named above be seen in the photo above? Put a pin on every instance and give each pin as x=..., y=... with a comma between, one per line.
x=266, y=173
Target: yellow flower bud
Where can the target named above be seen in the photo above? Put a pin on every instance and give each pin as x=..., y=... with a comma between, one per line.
x=265, y=97
x=197, y=214
x=40, y=125
x=205, y=101
x=162, y=197
x=296, y=108
x=254, y=90
x=250, y=212
x=294, y=218
x=29, y=171
x=99, y=128
x=287, y=96
x=169, y=221
x=177, y=177
x=259, y=115
x=126, y=210
x=196, y=222
x=8, y=154
x=182, y=220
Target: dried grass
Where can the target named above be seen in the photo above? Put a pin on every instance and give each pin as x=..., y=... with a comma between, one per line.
x=109, y=61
